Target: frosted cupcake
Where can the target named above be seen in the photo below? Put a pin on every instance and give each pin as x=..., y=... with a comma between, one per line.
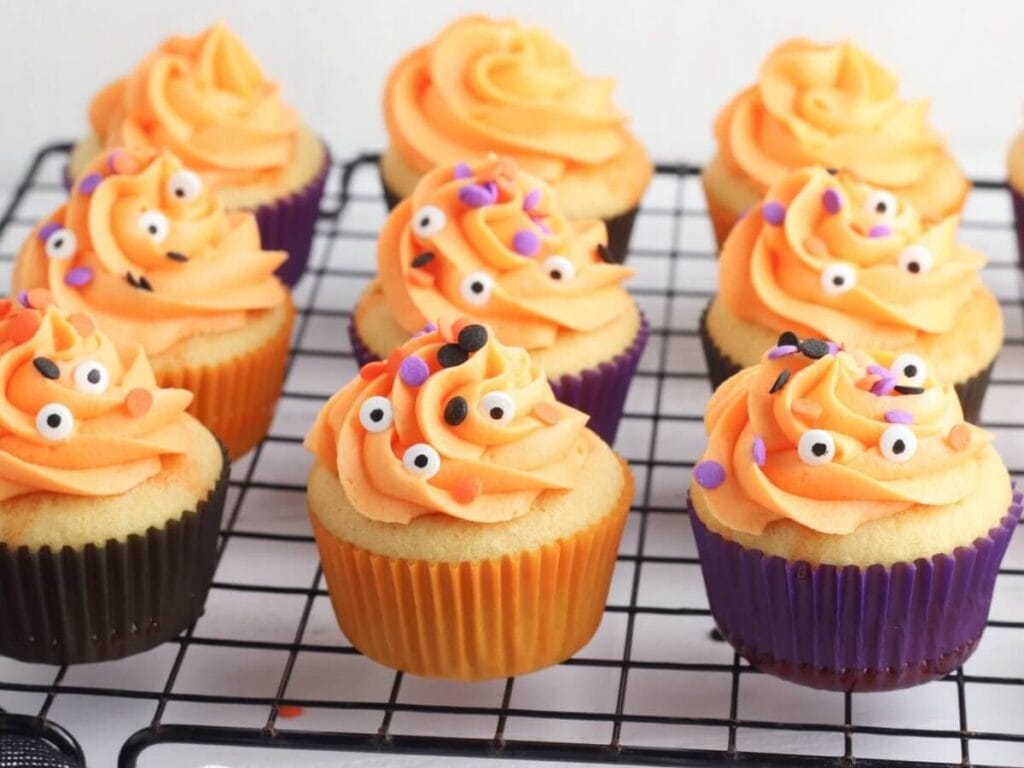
x=1015, y=177
x=492, y=242
x=831, y=256
x=849, y=534
x=467, y=521
x=110, y=494
x=146, y=249
x=832, y=105
x=483, y=86
x=206, y=99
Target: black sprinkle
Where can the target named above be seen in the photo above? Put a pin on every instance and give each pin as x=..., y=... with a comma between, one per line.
x=456, y=411
x=139, y=282
x=47, y=367
x=423, y=259
x=451, y=355
x=176, y=256
x=789, y=339
x=906, y=389
x=473, y=337
x=814, y=348
x=606, y=254
x=780, y=382
x=832, y=171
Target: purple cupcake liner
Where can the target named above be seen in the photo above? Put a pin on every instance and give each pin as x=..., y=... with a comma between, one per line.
x=599, y=392
x=848, y=628
x=286, y=224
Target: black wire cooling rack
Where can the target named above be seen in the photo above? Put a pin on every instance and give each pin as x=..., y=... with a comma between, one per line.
x=266, y=666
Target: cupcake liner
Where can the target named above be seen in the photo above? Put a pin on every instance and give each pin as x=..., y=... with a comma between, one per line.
x=1018, y=220
x=599, y=392
x=475, y=620
x=106, y=601
x=971, y=392
x=850, y=628
x=722, y=219
x=620, y=227
x=235, y=399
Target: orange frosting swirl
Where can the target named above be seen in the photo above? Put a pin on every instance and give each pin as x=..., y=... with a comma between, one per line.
x=206, y=99
x=478, y=440
x=881, y=454
x=144, y=247
x=484, y=85
x=77, y=416
x=490, y=240
x=836, y=106
x=831, y=256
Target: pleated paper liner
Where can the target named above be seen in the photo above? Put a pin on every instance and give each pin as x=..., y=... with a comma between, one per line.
x=620, y=228
x=720, y=367
x=235, y=399
x=106, y=601
x=599, y=392
x=849, y=628
x=1018, y=222
x=475, y=620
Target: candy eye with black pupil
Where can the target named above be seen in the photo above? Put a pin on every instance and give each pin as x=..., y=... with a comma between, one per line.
x=92, y=378
x=184, y=186
x=898, y=443
x=428, y=221
x=816, y=447
x=62, y=244
x=560, y=269
x=881, y=204
x=910, y=369
x=476, y=288
x=376, y=414
x=154, y=225
x=55, y=422
x=421, y=460
x=498, y=406
x=838, y=278
x=915, y=260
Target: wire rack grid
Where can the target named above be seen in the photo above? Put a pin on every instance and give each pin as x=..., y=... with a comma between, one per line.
x=266, y=666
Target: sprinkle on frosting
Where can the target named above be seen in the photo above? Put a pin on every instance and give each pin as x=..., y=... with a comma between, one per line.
x=413, y=371
x=451, y=355
x=780, y=381
x=456, y=411
x=896, y=416
x=46, y=367
x=89, y=182
x=759, y=451
x=774, y=213
x=831, y=200
x=709, y=474
x=782, y=350
x=959, y=437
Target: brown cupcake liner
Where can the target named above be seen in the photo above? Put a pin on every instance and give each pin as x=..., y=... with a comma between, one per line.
x=107, y=601
x=720, y=367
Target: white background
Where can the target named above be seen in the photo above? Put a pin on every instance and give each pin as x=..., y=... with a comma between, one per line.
x=676, y=61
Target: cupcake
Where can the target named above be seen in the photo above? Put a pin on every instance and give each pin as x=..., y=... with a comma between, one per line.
x=1015, y=177
x=492, y=242
x=829, y=255
x=830, y=105
x=849, y=534
x=467, y=521
x=110, y=494
x=146, y=249
x=500, y=86
x=206, y=99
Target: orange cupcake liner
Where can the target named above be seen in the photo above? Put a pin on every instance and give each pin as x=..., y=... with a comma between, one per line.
x=477, y=620
x=236, y=399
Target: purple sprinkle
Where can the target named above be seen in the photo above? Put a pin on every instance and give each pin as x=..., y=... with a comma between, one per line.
x=23, y=299
x=833, y=348
x=531, y=199
x=48, y=229
x=831, y=200
x=774, y=213
x=709, y=474
x=413, y=371
x=883, y=386
x=525, y=242
x=782, y=350
x=463, y=171
x=880, y=230
x=760, y=452
x=429, y=328
x=89, y=183
x=78, y=277
x=899, y=417
x=475, y=196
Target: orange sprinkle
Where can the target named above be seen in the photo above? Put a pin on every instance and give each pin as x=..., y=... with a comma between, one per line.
x=82, y=323
x=959, y=437
x=290, y=711
x=815, y=246
x=466, y=489
x=444, y=327
x=24, y=325
x=421, y=277
x=40, y=298
x=122, y=162
x=139, y=401
x=547, y=412
x=372, y=370
x=809, y=408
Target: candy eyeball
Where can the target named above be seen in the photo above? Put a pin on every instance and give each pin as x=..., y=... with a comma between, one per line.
x=421, y=460
x=560, y=269
x=155, y=225
x=376, y=414
x=476, y=288
x=428, y=221
x=816, y=447
x=898, y=443
x=62, y=244
x=881, y=205
x=915, y=260
x=498, y=407
x=910, y=369
x=184, y=186
x=55, y=422
x=92, y=378
x=838, y=278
